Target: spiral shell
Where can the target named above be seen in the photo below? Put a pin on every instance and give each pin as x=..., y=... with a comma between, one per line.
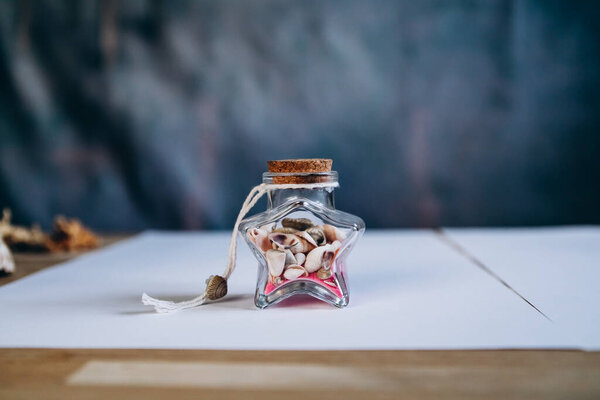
x=324, y=273
x=216, y=287
x=275, y=280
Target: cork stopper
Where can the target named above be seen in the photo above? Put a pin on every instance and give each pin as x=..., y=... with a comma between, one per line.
x=304, y=170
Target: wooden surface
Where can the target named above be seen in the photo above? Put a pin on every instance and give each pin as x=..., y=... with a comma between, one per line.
x=45, y=373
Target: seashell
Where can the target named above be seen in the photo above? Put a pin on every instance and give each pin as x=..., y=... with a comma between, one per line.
x=320, y=257
x=268, y=227
x=324, y=273
x=304, y=235
x=330, y=283
x=283, y=240
x=303, y=246
x=289, y=257
x=7, y=263
x=216, y=287
x=290, y=241
x=276, y=280
x=285, y=230
x=275, y=261
x=332, y=233
x=297, y=223
x=316, y=232
x=336, y=245
x=300, y=257
x=294, y=272
x=260, y=238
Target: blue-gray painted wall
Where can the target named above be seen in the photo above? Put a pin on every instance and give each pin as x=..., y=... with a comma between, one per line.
x=162, y=114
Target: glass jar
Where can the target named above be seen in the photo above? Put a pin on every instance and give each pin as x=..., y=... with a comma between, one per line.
x=301, y=241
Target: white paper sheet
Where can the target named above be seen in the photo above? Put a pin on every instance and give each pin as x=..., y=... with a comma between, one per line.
x=409, y=290
x=557, y=269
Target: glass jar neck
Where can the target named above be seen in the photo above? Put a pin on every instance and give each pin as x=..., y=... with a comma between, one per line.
x=278, y=197
x=322, y=195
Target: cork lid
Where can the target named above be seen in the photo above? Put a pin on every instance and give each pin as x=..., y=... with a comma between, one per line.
x=302, y=170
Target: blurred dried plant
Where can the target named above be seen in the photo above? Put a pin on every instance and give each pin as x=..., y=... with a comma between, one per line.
x=67, y=235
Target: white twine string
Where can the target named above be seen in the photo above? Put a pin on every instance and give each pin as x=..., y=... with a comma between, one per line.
x=166, y=306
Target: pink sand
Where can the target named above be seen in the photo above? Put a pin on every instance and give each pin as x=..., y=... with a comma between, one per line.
x=311, y=277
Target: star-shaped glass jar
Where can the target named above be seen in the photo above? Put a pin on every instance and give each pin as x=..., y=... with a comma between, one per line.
x=301, y=241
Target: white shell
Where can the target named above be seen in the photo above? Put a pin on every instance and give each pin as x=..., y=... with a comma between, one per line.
x=260, y=238
x=319, y=257
x=275, y=261
x=332, y=233
x=336, y=245
x=300, y=257
x=289, y=257
x=304, y=235
x=284, y=240
x=268, y=227
x=294, y=272
x=7, y=263
x=304, y=245
x=290, y=241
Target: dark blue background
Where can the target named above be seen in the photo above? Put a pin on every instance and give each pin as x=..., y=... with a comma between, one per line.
x=162, y=114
